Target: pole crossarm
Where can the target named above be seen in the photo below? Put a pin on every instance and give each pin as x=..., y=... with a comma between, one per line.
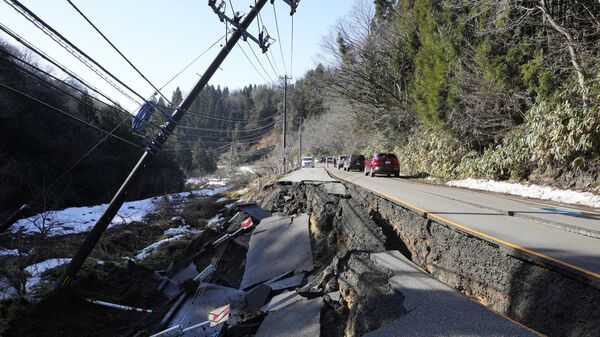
x=264, y=41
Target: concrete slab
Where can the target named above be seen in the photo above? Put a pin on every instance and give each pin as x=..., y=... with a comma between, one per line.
x=211, y=296
x=287, y=283
x=281, y=301
x=301, y=319
x=435, y=309
x=278, y=245
x=257, y=296
x=255, y=211
x=307, y=174
x=171, y=286
x=336, y=188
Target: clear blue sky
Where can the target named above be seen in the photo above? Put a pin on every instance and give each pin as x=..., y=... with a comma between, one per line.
x=162, y=36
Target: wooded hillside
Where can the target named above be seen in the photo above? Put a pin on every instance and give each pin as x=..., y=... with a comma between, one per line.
x=496, y=89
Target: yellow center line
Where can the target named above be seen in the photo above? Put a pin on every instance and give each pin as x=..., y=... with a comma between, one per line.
x=474, y=231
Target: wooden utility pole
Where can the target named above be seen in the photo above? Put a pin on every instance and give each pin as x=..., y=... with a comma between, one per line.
x=285, y=84
x=300, y=144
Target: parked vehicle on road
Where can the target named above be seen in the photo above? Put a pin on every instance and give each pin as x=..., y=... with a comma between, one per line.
x=340, y=161
x=308, y=162
x=355, y=162
x=330, y=160
x=382, y=163
x=322, y=160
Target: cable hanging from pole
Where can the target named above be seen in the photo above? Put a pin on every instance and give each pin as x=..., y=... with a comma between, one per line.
x=84, y=58
x=279, y=37
x=157, y=90
x=57, y=64
x=66, y=114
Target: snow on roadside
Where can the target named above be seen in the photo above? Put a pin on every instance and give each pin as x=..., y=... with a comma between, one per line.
x=81, y=219
x=181, y=230
x=530, y=191
x=246, y=169
x=143, y=254
x=196, y=181
x=9, y=252
x=36, y=270
x=215, y=220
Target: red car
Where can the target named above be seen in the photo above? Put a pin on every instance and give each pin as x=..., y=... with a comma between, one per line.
x=382, y=163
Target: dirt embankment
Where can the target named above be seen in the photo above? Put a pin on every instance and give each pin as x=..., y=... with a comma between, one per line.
x=346, y=227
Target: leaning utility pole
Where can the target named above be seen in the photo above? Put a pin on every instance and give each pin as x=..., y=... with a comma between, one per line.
x=165, y=131
x=285, y=84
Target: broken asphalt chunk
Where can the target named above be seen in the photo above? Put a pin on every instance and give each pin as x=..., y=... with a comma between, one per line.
x=277, y=246
x=301, y=319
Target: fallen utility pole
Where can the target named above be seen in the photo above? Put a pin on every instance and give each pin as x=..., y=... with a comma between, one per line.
x=165, y=131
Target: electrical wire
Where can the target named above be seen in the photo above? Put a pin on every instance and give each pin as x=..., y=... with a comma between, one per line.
x=84, y=58
x=57, y=89
x=258, y=60
x=252, y=64
x=292, y=50
x=193, y=61
x=227, y=130
x=119, y=52
x=57, y=64
x=49, y=84
x=279, y=38
x=67, y=114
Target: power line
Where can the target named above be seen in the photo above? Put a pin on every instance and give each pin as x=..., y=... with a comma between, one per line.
x=264, y=129
x=67, y=114
x=227, y=130
x=248, y=140
x=56, y=88
x=279, y=38
x=272, y=68
x=88, y=61
x=292, y=50
x=57, y=64
x=119, y=52
x=252, y=64
x=259, y=63
x=196, y=59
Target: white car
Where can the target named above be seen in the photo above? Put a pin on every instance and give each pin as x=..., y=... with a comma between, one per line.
x=308, y=162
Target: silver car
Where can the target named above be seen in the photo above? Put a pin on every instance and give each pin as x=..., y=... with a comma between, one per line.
x=308, y=162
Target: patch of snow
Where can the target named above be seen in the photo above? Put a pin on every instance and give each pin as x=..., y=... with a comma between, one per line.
x=150, y=249
x=207, y=192
x=222, y=199
x=81, y=219
x=195, y=181
x=217, y=182
x=215, y=220
x=246, y=169
x=181, y=230
x=229, y=206
x=530, y=191
x=36, y=270
x=10, y=252
x=7, y=291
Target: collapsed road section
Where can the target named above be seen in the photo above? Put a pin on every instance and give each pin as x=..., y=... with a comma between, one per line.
x=390, y=263
x=317, y=257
